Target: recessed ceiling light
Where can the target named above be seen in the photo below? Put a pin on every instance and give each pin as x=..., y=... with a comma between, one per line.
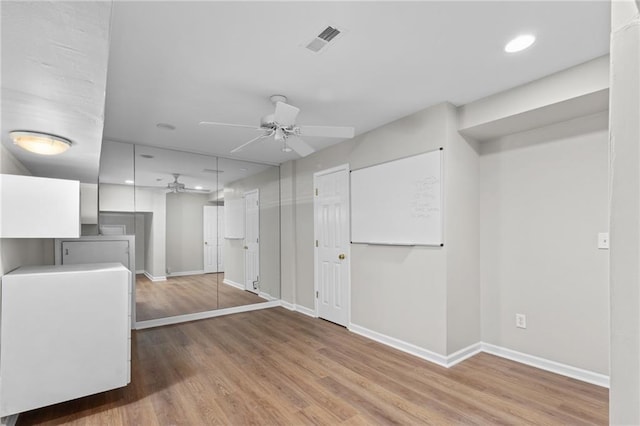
x=198, y=187
x=242, y=169
x=40, y=143
x=520, y=43
x=165, y=126
x=129, y=182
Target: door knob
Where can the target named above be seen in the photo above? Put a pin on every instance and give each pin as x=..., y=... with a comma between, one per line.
x=246, y=248
x=341, y=256
x=206, y=243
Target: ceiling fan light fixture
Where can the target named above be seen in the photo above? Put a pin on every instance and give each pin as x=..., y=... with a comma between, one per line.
x=40, y=143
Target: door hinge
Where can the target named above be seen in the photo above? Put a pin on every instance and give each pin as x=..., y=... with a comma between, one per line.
x=316, y=192
x=316, y=243
x=316, y=294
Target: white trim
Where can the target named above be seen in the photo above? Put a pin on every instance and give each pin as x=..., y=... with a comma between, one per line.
x=463, y=354
x=548, y=365
x=409, y=348
x=154, y=278
x=9, y=420
x=233, y=284
x=141, y=271
x=186, y=273
x=298, y=308
x=141, y=325
x=266, y=296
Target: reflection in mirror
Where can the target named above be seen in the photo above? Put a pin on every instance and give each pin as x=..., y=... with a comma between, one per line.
x=116, y=191
x=181, y=198
x=251, y=194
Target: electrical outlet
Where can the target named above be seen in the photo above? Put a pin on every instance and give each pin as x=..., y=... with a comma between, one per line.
x=521, y=321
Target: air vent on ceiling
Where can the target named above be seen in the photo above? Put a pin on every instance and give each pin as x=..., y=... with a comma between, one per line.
x=322, y=39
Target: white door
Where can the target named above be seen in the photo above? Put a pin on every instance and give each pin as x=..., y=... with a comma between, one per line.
x=220, y=238
x=332, y=255
x=252, y=241
x=210, y=237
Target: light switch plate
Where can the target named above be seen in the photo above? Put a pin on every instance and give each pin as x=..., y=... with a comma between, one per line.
x=603, y=240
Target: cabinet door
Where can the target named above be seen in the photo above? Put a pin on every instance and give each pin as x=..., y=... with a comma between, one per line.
x=79, y=252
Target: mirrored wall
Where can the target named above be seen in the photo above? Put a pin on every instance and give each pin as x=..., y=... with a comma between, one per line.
x=206, y=229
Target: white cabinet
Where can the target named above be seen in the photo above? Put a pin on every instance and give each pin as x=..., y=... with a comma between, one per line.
x=64, y=334
x=35, y=207
x=100, y=249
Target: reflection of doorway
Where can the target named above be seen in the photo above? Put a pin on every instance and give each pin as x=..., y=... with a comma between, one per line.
x=331, y=226
x=210, y=237
x=252, y=241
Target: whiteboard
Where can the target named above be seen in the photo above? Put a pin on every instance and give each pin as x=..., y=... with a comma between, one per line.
x=398, y=202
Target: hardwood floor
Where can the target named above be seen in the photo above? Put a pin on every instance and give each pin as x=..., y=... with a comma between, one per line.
x=187, y=295
x=278, y=367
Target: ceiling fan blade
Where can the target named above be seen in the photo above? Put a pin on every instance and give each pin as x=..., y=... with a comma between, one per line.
x=247, y=143
x=285, y=114
x=299, y=146
x=215, y=123
x=327, y=131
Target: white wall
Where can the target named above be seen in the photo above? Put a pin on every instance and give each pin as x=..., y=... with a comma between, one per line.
x=625, y=213
x=543, y=201
x=402, y=291
x=185, y=232
x=16, y=252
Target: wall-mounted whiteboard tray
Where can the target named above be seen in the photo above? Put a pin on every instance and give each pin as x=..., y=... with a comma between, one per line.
x=398, y=202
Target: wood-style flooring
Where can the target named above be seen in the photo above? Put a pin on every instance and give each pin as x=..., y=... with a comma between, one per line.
x=276, y=367
x=187, y=295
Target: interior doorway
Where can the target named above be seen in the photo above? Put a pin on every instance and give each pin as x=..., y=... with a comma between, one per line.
x=332, y=243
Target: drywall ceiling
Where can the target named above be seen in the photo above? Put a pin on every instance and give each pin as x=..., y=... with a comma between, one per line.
x=54, y=63
x=184, y=62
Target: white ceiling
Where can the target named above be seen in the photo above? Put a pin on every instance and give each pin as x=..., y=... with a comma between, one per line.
x=54, y=63
x=185, y=62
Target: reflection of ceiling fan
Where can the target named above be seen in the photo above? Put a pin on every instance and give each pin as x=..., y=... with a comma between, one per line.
x=176, y=186
x=282, y=126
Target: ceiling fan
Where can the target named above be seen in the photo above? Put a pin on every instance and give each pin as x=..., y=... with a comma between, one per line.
x=281, y=125
x=175, y=186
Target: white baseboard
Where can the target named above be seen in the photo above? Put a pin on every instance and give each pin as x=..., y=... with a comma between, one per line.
x=9, y=420
x=186, y=273
x=233, y=284
x=154, y=278
x=400, y=345
x=141, y=271
x=266, y=296
x=464, y=353
x=548, y=365
x=141, y=325
x=298, y=308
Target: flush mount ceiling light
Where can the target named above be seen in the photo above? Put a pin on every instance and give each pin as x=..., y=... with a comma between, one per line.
x=40, y=143
x=520, y=43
